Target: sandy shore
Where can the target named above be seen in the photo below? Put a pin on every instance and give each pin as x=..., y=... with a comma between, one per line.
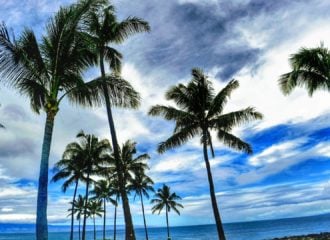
x=320, y=236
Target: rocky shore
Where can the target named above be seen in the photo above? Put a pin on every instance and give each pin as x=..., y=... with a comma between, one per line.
x=320, y=236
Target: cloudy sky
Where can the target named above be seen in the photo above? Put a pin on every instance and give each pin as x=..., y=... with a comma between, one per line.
x=249, y=40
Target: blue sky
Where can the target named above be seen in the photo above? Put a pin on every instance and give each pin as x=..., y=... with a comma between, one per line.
x=249, y=40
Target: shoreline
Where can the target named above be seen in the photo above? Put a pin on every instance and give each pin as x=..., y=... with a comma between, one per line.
x=315, y=236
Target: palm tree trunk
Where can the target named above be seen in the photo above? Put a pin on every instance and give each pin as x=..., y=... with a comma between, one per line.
x=85, y=209
x=144, y=218
x=104, y=217
x=221, y=233
x=115, y=221
x=129, y=229
x=41, y=224
x=79, y=229
x=168, y=227
x=94, y=228
x=72, y=209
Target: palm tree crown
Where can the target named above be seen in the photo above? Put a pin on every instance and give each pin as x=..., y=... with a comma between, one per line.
x=164, y=198
x=199, y=112
x=310, y=69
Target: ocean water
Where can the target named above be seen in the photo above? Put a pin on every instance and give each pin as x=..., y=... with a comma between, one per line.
x=234, y=231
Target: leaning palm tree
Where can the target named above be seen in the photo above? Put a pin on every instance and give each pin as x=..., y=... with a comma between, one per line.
x=141, y=184
x=164, y=198
x=199, y=112
x=104, y=29
x=47, y=71
x=310, y=69
x=103, y=191
x=72, y=168
x=94, y=209
x=78, y=210
x=94, y=153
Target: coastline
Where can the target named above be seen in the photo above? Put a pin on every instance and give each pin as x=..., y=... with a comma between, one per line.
x=320, y=236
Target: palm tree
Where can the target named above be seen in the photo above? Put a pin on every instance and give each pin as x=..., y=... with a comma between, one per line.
x=72, y=168
x=78, y=209
x=164, y=198
x=116, y=192
x=131, y=164
x=104, y=192
x=47, y=71
x=141, y=185
x=310, y=69
x=199, y=112
x=94, y=154
x=94, y=209
x=104, y=29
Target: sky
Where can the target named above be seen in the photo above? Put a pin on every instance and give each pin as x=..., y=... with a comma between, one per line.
x=249, y=40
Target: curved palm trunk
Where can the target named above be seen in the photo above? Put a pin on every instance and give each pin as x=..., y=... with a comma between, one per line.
x=104, y=217
x=85, y=209
x=72, y=215
x=221, y=233
x=129, y=229
x=144, y=218
x=41, y=224
x=94, y=228
x=168, y=227
x=115, y=221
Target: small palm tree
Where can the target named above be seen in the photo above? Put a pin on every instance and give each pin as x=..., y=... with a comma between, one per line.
x=94, y=154
x=71, y=167
x=47, y=71
x=141, y=184
x=164, y=198
x=310, y=69
x=104, y=29
x=94, y=209
x=199, y=112
x=78, y=210
x=104, y=192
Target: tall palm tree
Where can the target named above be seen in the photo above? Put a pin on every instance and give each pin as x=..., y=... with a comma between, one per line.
x=199, y=111
x=310, y=69
x=104, y=29
x=164, y=198
x=47, y=71
x=94, y=209
x=95, y=153
x=103, y=191
x=71, y=167
x=78, y=210
x=141, y=184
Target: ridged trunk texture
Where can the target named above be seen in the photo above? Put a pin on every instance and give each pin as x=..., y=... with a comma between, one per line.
x=221, y=233
x=129, y=229
x=42, y=224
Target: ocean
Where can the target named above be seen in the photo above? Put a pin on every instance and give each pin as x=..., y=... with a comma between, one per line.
x=257, y=230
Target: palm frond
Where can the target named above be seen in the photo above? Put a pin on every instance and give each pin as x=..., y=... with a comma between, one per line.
x=234, y=142
x=130, y=26
x=178, y=138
